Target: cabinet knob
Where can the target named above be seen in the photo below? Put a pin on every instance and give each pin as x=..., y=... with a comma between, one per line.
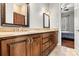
x=31, y=41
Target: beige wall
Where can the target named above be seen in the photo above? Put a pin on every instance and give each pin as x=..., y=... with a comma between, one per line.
x=55, y=18
x=36, y=14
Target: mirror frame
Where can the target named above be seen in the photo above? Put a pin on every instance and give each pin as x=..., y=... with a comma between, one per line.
x=3, y=16
x=44, y=26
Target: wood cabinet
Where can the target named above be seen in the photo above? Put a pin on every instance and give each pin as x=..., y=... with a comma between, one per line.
x=16, y=46
x=53, y=36
x=36, y=45
x=29, y=45
x=45, y=44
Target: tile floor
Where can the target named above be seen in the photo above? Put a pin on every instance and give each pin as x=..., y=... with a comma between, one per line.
x=63, y=51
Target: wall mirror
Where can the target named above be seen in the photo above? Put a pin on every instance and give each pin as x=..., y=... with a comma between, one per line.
x=46, y=20
x=15, y=14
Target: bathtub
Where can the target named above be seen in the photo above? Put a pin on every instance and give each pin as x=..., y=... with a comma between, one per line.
x=67, y=34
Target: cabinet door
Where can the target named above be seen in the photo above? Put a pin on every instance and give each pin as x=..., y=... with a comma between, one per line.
x=18, y=46
x=36, y=45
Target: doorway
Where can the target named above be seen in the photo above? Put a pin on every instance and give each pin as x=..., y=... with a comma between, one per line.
x=67, y=24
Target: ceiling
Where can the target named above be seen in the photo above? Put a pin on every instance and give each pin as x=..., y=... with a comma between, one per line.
x=67, y=7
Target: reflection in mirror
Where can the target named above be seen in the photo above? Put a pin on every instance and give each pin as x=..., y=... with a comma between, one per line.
x=16, y=14
x=46, y=20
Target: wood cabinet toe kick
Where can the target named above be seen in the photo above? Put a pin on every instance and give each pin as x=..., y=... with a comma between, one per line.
x=29, y=45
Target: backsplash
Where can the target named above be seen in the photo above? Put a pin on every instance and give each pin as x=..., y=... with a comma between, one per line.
x=12, y=29
x=23, y=29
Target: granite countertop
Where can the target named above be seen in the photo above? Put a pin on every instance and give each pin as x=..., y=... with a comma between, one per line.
x=32, y=31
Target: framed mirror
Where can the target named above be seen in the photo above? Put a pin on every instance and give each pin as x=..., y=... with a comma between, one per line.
x=46, y=20
x=15, y=14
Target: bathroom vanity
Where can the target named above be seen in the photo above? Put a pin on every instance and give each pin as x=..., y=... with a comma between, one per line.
x=20, y=41
x=31, y=43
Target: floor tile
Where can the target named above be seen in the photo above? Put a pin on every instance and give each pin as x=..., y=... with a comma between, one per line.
x=63, y=51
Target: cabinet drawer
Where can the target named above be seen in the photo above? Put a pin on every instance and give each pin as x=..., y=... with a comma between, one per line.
x=46, y=52
x=45, y=40
x=52, y=35
x=52, y=47
x=45, y=35
x=35, y=36
x=45, y=46
x=51, y=43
